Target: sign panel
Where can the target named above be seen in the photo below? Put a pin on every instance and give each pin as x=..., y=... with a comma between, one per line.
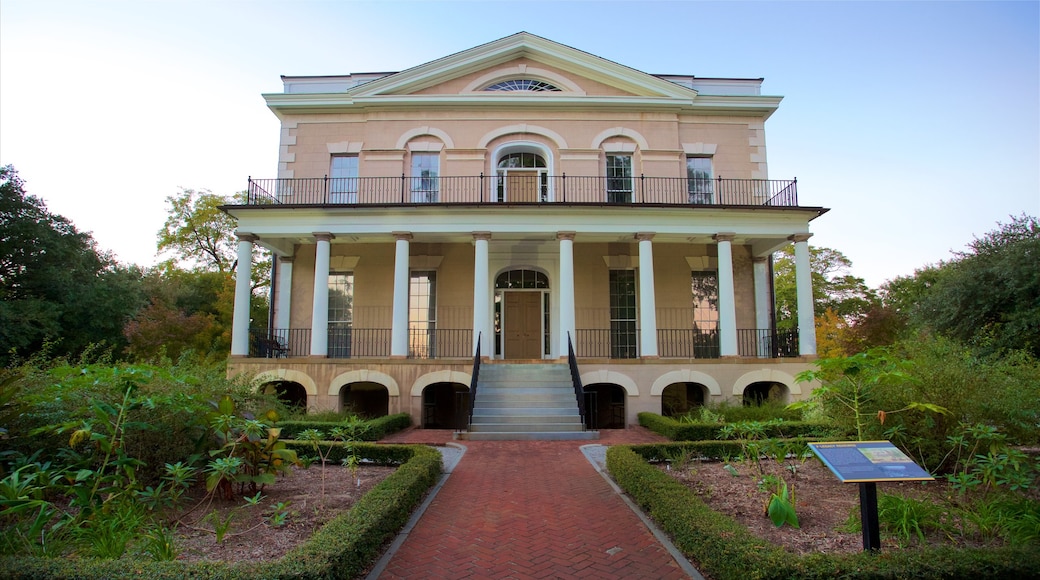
x=859, y=461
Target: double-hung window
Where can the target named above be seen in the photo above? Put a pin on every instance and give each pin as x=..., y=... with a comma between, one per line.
x=425, y=177
x=343, y=179
x=704, y=287
x=341, y=313
x=698, y=180
x=422, y=314
x=623, y=314
x=619, y=179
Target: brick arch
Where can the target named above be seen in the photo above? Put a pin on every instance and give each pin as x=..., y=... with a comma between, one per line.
x=685, y=376
x=553, y=136
x=278, y=375
x=632, y=134
x=364, y=376
x=439, y=377
x=410, y=134
x=766, y=376
x=613, y=377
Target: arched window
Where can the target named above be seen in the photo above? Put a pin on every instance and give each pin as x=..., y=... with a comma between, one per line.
x=521, y=280
x=521, y=161
x=522, y=85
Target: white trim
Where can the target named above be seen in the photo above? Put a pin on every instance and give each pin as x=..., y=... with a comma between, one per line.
x=766, y=376
x=632, y=134
x=611, y=377
x=426, y=147
x=439, y=377
x=521, y=128
x=524, y=71
x=522, y=147
x=425, y=130
x=700, y=149
x=289, y=375
x=685, y=376
x=364, y=376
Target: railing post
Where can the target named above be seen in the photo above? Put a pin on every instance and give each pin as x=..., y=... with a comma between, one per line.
x=642, y=188
x=402, y=189
x=326, y=186
x=249, y=192
x=563, y=186
x=481, y=187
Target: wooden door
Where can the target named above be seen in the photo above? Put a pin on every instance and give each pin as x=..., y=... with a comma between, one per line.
x=522, y=328
x=522, y=187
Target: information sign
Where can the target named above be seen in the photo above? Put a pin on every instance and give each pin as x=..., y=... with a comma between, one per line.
x=858, y=461
x=866, y=463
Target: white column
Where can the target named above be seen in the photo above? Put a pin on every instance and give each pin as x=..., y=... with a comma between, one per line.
x=647, y=297
x=243, y=290
x=481, y=293
x=566, y=290
x=399, y=329
x=760, y=271
x=320, y=303
x=803, y=281
x=727, y=302
x=284, y=302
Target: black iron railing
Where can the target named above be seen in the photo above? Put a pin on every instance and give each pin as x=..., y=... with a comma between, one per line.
x=439, y=342
x=579, y=391
x=765, y=343
x=673, y=191
x=619, y=342
x=279, y=342
x=473, y=381
x=687, y=343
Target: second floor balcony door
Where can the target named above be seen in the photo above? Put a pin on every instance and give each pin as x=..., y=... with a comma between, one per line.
x=522, y=325
x=522, y=178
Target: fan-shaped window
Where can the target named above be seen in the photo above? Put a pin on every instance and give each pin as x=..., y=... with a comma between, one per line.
x=521, y=161
x=521, y=279
x=522, y=85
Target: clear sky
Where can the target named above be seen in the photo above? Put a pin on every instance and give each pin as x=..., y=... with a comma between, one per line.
x=918, y=123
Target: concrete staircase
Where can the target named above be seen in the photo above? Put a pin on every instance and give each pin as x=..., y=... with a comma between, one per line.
x=527, y=401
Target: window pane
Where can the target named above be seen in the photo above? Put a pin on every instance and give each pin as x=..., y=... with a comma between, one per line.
x=343, y=182
x=623, y=314
x=699, y=179
x=705, y=290
x=425, y=173
x=619, y=178
x=341, y=313
x=422, y=314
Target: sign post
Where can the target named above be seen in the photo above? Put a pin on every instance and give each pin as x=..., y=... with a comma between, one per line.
x=866, y=463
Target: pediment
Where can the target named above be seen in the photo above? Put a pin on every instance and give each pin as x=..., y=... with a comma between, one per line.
x=523, y=56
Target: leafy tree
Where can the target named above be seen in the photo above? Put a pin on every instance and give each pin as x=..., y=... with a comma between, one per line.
x=834, y=288
x=55, y=284
x=989, y=296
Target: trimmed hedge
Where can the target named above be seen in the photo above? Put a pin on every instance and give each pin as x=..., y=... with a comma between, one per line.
x=724, y=549
x=711, y=450
x=678, y=431
x=341, y=549
x=377, y=428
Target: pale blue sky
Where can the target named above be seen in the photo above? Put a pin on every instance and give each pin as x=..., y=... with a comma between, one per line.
x=917, y=123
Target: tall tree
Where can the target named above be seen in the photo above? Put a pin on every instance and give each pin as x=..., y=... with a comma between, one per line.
x=989, y=295
x=834, y=288
x=55, y=285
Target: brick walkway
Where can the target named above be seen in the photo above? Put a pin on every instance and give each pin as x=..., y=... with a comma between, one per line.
x=529, y=509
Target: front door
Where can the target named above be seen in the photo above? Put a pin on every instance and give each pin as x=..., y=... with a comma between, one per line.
x=522, y=325
x=522, y=186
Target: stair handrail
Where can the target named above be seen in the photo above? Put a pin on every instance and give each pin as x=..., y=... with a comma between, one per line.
x=473, y=381
x=579, y=391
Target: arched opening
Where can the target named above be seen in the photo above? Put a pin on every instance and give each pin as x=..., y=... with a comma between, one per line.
x=445, y=406
x=763, y=392
x=368, y=400
x=289, y=393
x=521, y=174
x=681, y=398
x=522, y=314
x=604, y=406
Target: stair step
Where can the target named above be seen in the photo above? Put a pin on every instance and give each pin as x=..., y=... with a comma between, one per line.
x=529, y=436
x=526, y=419
x=515, y=428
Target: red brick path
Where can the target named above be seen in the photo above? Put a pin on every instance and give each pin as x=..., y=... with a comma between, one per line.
x=529, y=509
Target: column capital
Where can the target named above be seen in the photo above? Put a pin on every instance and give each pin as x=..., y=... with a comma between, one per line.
x=323, y=236
x=481, y=235
x=285, y=259
x=406, y=236
x=759, y=260
x=645, y=236
x=724, y=237
x=565, y=236
x=244, y=237
x=802, y=237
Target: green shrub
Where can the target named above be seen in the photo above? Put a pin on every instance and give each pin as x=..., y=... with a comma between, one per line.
x=377, y=428
x=682, y=431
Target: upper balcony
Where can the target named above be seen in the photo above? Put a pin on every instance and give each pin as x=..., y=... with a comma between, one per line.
x=523, y=189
